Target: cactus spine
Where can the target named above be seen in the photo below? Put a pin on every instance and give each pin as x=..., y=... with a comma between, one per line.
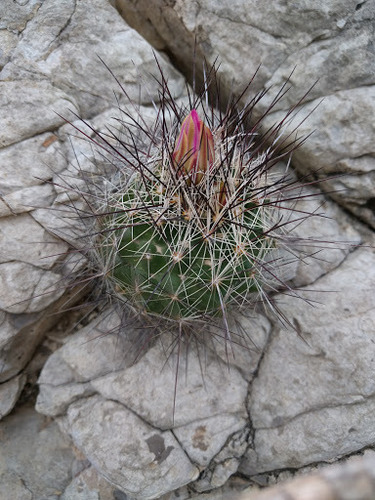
x=188, y=233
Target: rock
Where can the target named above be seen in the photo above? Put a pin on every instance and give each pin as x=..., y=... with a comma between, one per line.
x=30, y=162
x=225, y=463
x=89, y=485
x=9, y=392
x=21, y=333
x=28, y=438
x=15, y=16
x=34, y=115
x=145, y=463
x=198, y=397
x=319, y=403
x=320, y=238
x=27, y=199
x=340, y=145
x=250, y=333
x=351, y=478
x=209, y=420
x=61, y=55
x=204, y=439
x=26, y=241
x=26, y=289
x=280, y=402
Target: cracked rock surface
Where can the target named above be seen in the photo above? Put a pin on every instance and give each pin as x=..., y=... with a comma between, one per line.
x=105, y=428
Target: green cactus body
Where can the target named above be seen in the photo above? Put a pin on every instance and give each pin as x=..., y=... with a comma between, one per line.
x=182, y=267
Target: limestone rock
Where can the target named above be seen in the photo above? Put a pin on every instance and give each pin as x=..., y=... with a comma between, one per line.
x=9, y=392
x=313, y=395
x=204, y=439
x=30, y=162
x=28, y=438
x=26, y=241
x=19, y=119
x=26, y=289
x=208, y=419
x=89, y=485
x=325, y=392
x=145, y=462
x=199, y=396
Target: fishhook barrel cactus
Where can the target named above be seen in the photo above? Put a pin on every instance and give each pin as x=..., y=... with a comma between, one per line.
x=194, y=210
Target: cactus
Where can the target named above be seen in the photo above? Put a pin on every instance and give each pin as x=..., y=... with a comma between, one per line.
x=188, y=237
x=187, y=228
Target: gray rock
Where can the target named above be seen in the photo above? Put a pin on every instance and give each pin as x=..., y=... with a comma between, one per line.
x=15, y=15
x=50, y=68
x=341, y=144
x=319, y=242
x=60, y=54
x=36, y=459
x=135, y=457
x=319, y=402
x=27, y=199
x=23, y=118
x=198, y=396
x=89, y=485
x=250, y=333
x=311, y=399
x=53, y=401
x=225, y=463
x=208, y=419
x=204, y=439
x=9, y=392
x=25, y=288
x=20, y=334
x=26, y=241
x=30, y=162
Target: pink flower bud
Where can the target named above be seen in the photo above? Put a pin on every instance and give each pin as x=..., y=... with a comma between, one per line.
x=194, y=151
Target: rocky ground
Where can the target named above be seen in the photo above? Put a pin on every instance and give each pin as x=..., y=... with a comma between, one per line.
x=96, y=426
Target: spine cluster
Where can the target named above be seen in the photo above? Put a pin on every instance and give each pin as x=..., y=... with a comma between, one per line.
x=194, y=211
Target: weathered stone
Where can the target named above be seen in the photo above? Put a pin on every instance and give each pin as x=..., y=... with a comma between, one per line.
x=146, y=463
x=89, y=485
x=78, y=71
x=351, y=478
x=8, y=42
x=208, y=418
x=300, y=407
x=26, y=241
x=198, y=396
x=9, y=392
x=36, y=459
x=225, y=463
x=341, y=142
x=22, y=118
x=27, y=199
x=204, y=439
x=92, y=352
x=318, y=242
x=318, y=403
x=250, y=332
x=30, y=162
x=27, y=289
x=15, y=15
x=53, y=401
x=21, y=333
